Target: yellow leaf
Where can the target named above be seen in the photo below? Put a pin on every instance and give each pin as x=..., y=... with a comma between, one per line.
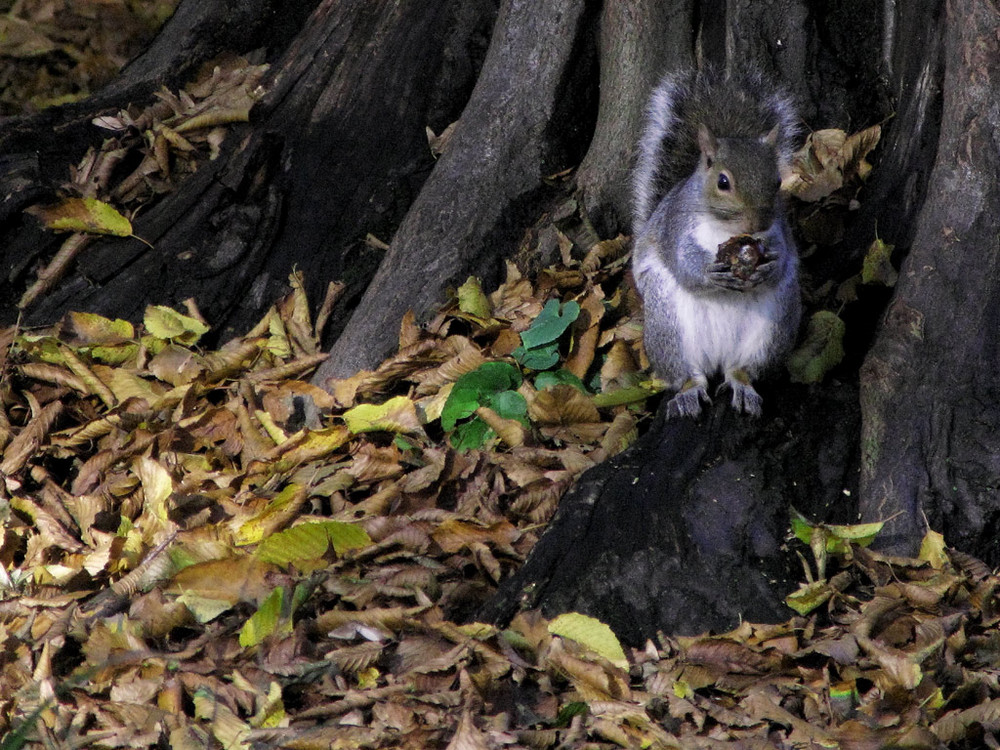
x=314, y=444
x=283, y=508
x=124, y=384
x=592, y=634
x=932, y=549
x=277, y=341
x=83, y=215
x=472, y=300
x=395, y=415
x=156, y=485
x=96, y=329
x=167, y=324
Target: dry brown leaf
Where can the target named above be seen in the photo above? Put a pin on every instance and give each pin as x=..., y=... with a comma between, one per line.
x=422, y=478
x=562, y=405
x=586, y=332
x=593, y=680
x=456, y=534
x=233, y=579
x=26, y=443
x=176, y=365
x=511, y=432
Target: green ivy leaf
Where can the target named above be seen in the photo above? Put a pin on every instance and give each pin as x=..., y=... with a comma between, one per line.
x=558, y=377
x=509, y=405
x=550, y=324
x=471, y=435
x=473, y=390
x=537, y=359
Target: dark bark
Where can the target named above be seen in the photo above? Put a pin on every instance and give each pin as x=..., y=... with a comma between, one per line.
x=685, y=530
x=638, y=42
x=929, y=385
x=198, y=31
x=321, y=166
x=517, y=127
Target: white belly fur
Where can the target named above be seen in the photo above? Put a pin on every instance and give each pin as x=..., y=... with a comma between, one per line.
x=720, y=335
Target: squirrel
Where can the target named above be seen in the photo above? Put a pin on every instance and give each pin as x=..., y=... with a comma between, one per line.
x=709, y=169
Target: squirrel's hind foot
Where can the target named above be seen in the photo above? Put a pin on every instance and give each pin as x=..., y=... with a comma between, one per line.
x=687, y=402
x=745, y=398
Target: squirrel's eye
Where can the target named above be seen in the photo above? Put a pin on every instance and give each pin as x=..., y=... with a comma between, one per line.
x=723, y=183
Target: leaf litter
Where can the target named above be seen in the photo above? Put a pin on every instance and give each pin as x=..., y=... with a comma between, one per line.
x=201, y=548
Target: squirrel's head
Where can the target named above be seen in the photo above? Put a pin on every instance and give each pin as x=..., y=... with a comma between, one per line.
x=740, y=179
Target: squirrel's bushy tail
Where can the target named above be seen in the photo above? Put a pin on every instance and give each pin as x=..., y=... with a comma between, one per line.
x=744, y=104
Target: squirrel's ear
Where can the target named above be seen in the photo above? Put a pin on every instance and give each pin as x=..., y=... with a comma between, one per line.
x=707, y=143
x=771, y=139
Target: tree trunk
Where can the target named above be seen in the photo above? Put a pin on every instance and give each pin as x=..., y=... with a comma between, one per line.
x=929, y=384
x=512, y=133
x=337, y=150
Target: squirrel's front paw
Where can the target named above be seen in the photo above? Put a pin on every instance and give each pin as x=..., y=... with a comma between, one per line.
x=721, y=275
x=746, y=400
x=687, y=402
x=764, y=273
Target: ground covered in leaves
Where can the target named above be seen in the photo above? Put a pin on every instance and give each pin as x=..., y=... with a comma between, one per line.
x=201, y=549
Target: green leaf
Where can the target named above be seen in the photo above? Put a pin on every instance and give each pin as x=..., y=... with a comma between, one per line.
x=346, y=536
x=861, y=534
x=310, y=541
x=877, y=267
x=821, y=351
x=550, y=324
x=836, y=539
x=558, y=377
x=801, y=527
x=569, y=711
x=471, y=435
x=592, y=634
x=508, y=404
x=403, y=444
x=473, y=389
x=537, y=359
x=167, y=324
x=265, y=620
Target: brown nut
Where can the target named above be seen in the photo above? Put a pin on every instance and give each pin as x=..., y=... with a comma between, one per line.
x=743, y=253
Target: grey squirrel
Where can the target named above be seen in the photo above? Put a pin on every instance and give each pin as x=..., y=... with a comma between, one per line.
x=709, y=168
